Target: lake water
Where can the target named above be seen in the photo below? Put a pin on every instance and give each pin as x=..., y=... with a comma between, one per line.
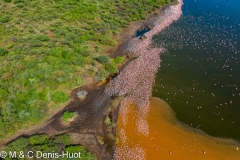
x=200, y=75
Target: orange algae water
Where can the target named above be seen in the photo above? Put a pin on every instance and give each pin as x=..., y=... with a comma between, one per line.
x=169, y=139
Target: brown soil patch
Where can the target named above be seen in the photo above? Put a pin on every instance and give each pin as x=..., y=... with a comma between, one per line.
x=50, y=34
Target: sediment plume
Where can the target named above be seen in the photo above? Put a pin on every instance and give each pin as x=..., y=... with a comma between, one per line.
x=169, y=139
x=136, y=79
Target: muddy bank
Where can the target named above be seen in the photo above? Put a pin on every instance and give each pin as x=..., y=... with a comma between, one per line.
x=87, y=126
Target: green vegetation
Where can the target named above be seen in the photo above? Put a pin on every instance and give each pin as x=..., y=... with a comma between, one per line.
x=3, y=52
x=62, y=139
x=59, y=97
x=116, y=101
x=100, y=140
x=108, y=122
x=46, y=46
x=39, y=139
x=44, y=143
x=103, y=59
x=67, y=115
x=111, y=67
x=84, y=153
x=118, y=60
x=18, y=145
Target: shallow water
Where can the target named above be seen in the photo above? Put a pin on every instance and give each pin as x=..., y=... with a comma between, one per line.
x=169, y=139
x=141, y=32
x=200, y=76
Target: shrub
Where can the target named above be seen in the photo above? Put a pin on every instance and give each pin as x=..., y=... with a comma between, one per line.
x=63, y=139
x=36, y=43
x=75, y=149
x=168, y=1
x=108, y=41
x=20, y=5
x=101, y=75
x=3, y=94
x=79, y=81
x=18, y=1
x=39, y=139
x=108, y=122
x=31, y=30
x=7, y=1
x=94, y=63
x=43, y=38
x=9, y=45
x=91, y=70
x=97, y=48
x=100, y=140
x=49, y=148
x=83, y=51
x=78, y=61
x=68, y=115
x=59, y=97
x=3, y=52
x=118, y=60
x=4, y=19
x=111, y=67
x=51, y=44
x=84, y=153
x=19, y=144
x=64, y=42
x=66, y=54
x=103, y=59
x=37, y=114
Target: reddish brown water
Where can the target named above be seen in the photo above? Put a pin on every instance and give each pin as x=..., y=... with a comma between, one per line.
x=170, y=139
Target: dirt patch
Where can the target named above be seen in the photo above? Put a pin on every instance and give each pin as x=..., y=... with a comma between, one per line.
x=50, y=34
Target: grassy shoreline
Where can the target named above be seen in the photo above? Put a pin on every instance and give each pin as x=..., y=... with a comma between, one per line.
x=49, y=60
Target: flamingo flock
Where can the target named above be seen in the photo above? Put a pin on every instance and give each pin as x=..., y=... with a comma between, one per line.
x=137, y=78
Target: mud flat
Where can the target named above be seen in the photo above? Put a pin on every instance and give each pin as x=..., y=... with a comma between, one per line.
x=170, y=139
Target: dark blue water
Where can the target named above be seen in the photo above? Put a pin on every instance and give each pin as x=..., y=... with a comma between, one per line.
x=141, y=32
x=200, y=75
